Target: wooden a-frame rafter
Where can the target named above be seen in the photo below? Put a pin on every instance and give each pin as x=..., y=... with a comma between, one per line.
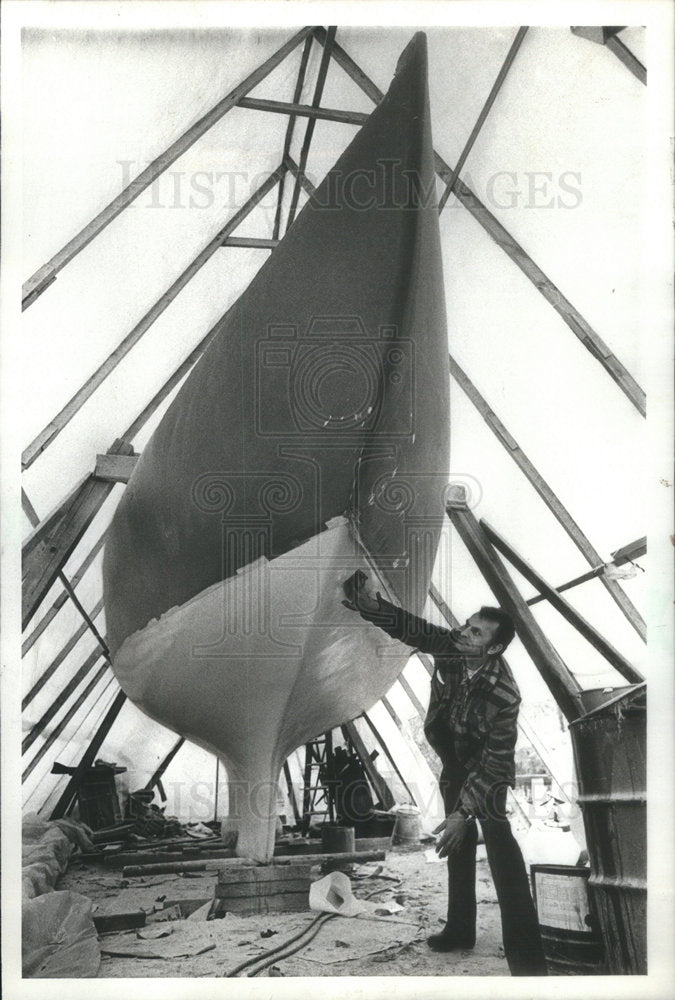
x=288, y=139
x=571, y=316
x=568, y=612
x=66, y=414
x=547, y=494
x=485, y=111
x=327, y=43
x=44, y=276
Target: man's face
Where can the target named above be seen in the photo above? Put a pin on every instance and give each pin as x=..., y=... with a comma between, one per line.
x=476, y=639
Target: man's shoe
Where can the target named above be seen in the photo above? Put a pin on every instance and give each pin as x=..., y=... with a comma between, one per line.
x=450, y=942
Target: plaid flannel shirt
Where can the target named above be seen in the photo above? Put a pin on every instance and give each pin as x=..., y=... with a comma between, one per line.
x=472, y=720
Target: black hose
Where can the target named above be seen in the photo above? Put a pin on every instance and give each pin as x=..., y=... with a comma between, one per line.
x=291, y=951
x=280, y=947
x=275, y=954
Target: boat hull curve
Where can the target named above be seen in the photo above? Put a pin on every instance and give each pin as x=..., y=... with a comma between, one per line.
x=323, y=396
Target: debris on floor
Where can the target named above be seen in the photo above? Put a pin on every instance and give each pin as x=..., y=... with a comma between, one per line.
x=173, y=945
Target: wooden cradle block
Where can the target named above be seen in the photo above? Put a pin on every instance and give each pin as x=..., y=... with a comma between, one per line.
x=269, y=889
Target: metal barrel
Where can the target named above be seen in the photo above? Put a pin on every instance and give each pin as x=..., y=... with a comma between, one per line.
x=610, y=754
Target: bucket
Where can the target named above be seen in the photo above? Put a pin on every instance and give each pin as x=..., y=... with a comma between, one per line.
x=407, y=826
x=610, y=755
x=337, y=839
x=569, y=930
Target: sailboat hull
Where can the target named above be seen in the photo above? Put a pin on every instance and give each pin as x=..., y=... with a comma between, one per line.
x=323, y=396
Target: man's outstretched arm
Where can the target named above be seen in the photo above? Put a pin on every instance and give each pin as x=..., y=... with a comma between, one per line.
x=395, y=621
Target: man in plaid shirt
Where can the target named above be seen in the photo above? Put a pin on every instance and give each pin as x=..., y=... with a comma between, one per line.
x=471, y=724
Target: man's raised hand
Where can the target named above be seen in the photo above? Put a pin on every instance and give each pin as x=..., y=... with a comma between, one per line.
x=357, y=598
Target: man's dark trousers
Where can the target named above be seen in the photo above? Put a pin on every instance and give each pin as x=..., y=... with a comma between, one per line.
x=520, y=927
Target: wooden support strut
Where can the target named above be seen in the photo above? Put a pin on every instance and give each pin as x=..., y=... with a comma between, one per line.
x=31, y=639
x=628, y=58
x=62, y=723
x=305, y=111
x=47, y=550
x=291, y=794
x=44, y=276
x=561, y=682
x=65, y=801
x=485, y=111
x=569, y=613
x=627, y=553
x=161, y=770
x=559, y=511
x=381, y=787
x=607, y=36
x=252, y=242
x=573, y=319
x=388, y=754
x=288, y=138
x=61, y=656
x=327, y=43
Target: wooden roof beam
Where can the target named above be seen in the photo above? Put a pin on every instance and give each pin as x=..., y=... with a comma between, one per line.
x=569, y=613
x=61, y=656
x=608, y=36
x=60, y=699
x=485, y=111
x=41, y=528
x=58, y=729
x=288, y=138
x=305, y=111
x=328, y=42
x=46, y=274
x=559, y=511
x=571, y=316
x=63, y=597
x=382, y=789
x=303, y=178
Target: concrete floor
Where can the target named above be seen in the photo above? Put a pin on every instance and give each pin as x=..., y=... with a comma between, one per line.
x=368, y=945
